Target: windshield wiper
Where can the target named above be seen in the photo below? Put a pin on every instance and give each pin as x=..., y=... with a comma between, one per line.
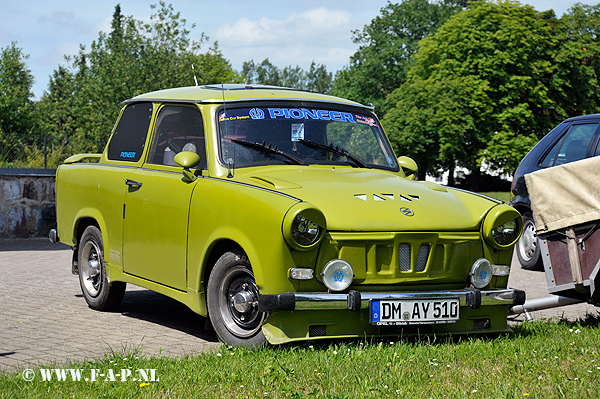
x=336, y=150
x=269, y=149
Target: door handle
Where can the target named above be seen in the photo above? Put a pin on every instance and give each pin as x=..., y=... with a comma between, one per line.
x=133, y=183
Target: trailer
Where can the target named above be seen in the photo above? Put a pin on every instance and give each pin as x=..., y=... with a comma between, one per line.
x=565, y=201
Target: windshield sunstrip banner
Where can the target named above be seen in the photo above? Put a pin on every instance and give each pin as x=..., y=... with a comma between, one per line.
x=294, y=113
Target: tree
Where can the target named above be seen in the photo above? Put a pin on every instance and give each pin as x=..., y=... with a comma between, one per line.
x=264, y=73
x=486, y=77
x=133, y=58
x=57, y=115
x=381, y=63
x=17, y=117
x=578, y=61
x=317, y=78
x=16, y=97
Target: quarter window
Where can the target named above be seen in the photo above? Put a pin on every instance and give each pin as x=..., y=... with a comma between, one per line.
x=129, y=138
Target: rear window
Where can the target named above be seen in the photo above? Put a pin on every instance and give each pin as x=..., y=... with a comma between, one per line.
x=572, y=147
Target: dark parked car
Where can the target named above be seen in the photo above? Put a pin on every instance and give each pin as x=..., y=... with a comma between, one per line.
x=574, y=139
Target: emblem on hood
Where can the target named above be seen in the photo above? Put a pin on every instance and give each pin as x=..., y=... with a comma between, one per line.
x=406, y=211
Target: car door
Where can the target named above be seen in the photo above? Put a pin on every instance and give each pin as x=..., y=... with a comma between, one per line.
x=157, y=200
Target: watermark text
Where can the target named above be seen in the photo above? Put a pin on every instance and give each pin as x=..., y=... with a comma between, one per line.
x=92, y=375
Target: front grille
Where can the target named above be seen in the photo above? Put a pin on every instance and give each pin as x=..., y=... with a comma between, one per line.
x=404, y=258
x=407, y=257
x=422, y=257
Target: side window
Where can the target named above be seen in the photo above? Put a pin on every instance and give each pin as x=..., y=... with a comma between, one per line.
x=178, y=128
x=572, y=147
x=127, y=143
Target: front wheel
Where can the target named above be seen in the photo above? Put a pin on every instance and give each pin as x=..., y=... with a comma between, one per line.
x=232, y=300
x=98, y=292
x=528, y=248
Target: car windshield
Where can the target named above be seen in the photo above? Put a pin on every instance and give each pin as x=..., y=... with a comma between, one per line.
x=255, y=136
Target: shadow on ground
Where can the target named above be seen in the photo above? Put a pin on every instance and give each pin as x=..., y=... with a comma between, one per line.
x=30, y=244
x=159, y=309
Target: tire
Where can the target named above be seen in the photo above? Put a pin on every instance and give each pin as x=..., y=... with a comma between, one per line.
x=528, y=248
x=97, y=291
x=232, y=301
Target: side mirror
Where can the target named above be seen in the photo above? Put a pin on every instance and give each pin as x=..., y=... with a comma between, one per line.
x=409, y=167
x=187, y=160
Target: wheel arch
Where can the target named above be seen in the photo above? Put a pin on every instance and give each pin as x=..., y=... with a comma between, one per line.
x=215, y=251
x=522, y=208
x=80, y=225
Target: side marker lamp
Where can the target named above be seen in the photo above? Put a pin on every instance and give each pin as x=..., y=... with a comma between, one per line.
x=301, y=273
x=500, y=270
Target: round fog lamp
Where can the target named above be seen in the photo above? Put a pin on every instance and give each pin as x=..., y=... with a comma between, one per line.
x=337, y=275
x=481, y=273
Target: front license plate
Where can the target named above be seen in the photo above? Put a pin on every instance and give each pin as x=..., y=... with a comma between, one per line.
x=425, y=311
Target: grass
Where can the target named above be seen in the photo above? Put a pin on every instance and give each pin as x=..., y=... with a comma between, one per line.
x=541, y=359
x=500, y=195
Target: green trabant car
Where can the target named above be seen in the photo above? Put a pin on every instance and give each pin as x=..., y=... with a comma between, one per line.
x=281, y=215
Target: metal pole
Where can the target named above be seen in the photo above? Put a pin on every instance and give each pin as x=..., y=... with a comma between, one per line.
x=553, y=301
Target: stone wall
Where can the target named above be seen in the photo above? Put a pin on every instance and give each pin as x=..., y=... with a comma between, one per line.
x=27, y=204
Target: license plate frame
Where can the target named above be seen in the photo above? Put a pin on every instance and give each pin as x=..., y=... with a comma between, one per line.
x=400, y=312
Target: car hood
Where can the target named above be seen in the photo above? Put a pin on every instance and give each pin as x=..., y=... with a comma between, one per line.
x=375, y=200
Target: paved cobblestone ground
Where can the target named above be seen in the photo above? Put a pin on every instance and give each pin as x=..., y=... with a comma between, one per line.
x=536, y=286
x=44, y=318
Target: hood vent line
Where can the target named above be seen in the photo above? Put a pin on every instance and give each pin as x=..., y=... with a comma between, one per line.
x=382, y=197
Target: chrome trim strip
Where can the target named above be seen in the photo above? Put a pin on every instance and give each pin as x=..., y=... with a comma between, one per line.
x=496, y=200
x=253, y=186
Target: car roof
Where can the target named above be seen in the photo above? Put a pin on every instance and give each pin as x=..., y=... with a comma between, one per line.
x=576, y=118
x=228, y=93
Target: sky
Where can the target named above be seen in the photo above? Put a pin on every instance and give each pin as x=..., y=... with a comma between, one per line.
x=288, y=32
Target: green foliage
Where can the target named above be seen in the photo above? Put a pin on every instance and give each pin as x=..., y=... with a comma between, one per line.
x=316, y=79
x=578, y=61
x=483, y=89
x=17, y=110
x=383, y=59
x=82, y=102
x=16, y=80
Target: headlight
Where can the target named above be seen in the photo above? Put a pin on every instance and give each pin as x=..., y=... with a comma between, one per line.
x=481, y=273
x=305, y=231
x=337, y=275
x=507, y=233
x=502, y=227
x=303, y=226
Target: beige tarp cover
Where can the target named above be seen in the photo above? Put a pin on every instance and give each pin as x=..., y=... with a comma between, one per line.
x=565, y=195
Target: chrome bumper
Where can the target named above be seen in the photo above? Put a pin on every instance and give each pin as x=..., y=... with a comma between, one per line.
x=355, y=300
x=53, y=236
